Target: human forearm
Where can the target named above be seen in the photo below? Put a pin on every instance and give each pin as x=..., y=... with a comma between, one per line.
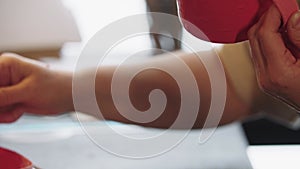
x=41, y=90
x=144, y=82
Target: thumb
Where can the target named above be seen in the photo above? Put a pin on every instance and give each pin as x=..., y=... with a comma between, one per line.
x=293, y=29
x=11, y=95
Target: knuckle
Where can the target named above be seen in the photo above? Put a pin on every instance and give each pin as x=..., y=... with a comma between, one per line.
x=8, y=59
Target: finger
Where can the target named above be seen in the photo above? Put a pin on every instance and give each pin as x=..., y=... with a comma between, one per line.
x=272, y=44
x=11, y=115
x=11, y=95
x=293, y=34
x=35, y=62
x=293, y=29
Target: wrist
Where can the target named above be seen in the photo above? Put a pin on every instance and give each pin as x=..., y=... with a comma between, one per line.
x=65, y=90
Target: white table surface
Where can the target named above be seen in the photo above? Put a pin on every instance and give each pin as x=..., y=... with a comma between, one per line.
x=61, y=144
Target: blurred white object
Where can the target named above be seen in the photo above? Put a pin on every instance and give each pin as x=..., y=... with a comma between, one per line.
x=33, y=25
x=275, y=156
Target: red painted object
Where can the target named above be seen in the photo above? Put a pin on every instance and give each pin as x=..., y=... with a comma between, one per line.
x=12, y=160
x=228, y=21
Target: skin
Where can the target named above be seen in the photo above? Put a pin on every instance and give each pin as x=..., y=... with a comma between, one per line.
x=30, y=86
x=276, y=56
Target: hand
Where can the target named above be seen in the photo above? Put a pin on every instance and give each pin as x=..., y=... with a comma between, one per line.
x=276, y=56
x=30, y=86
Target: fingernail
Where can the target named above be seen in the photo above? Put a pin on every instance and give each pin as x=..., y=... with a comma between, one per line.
x=296, y=20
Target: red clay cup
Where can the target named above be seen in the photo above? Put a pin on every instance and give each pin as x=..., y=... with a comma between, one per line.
x=228, y=21
x=12, y=160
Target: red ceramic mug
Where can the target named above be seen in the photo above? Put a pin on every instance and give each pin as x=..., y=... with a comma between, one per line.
x=227, y=21
x=12, y=160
